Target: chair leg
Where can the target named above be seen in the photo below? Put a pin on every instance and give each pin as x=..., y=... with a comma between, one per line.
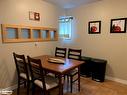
x=79, y=79
x=28, y=86
x=64, y=77
x=68, y=82
x=71, y=83
x=45, y=92
x=18, y=86
x=33, y=88
x=78, y=85
x=24, y=84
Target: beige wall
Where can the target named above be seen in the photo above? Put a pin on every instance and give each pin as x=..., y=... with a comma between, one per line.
x=105, y=45
x=108, y=46
x=17, y=12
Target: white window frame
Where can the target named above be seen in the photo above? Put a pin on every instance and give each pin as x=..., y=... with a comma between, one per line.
x=65, y=33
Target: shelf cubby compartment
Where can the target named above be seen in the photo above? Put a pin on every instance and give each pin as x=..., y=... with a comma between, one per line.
x=12, y=33
x=36, y=34
x=45, y=35
x=53, y=35
x=25, y=33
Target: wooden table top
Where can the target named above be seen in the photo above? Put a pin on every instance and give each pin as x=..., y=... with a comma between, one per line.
x=59, y=68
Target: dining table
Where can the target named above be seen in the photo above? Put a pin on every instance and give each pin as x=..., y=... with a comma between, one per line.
x=60, y=69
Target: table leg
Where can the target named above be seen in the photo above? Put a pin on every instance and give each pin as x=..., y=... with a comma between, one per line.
x=79, y=78
x=60, y=85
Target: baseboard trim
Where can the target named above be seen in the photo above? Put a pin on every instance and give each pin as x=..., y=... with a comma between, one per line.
x=11, y=87
x=106, y=77
x=116, y=80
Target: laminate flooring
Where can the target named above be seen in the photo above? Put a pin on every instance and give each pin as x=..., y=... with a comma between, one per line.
x=89, y=87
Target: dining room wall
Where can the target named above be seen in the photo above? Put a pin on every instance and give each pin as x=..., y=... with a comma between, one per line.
x=17, y=12
x=106, y=45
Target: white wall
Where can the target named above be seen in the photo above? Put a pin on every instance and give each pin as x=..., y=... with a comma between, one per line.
x=112, y=47
x=17, y=12
x=105, y=45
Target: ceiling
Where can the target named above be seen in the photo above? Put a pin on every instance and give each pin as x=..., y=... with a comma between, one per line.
x=70, y=3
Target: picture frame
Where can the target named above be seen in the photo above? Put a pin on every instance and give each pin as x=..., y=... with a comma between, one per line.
x=37, y=16
x=34, y=16
x=118, y=25
x=94, y=27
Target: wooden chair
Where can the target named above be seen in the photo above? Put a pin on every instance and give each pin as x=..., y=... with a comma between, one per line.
x=39, y=78
x=76, y=55
x=22, y=71
x=60, y=52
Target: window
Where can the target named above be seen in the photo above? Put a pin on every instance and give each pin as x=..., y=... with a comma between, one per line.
x=65, y=27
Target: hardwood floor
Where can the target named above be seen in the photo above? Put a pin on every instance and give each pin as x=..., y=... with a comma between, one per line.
x=90, y=87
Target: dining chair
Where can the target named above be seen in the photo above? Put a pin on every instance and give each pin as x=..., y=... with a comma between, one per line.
x=60, y=52
x=76, y=55
x=22, y=71
x=39, y=78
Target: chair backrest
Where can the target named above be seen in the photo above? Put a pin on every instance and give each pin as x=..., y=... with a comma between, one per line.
x=74, y=54
x=36, y=70
x=60, y=52
x=21, y=64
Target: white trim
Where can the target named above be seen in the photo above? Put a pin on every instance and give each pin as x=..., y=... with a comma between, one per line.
x=107, y=77
x=11, y=87
x=116, y=79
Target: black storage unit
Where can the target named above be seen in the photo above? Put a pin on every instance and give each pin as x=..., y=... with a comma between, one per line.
x=85, y=69
x=98, y=69
x=94, y=68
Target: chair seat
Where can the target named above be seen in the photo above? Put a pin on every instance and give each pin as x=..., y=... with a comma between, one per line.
x=51, y=74
x=50, y=82
x=23, y=75
x=73, y=72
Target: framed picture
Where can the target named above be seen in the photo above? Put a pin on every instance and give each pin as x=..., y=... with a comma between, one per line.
x=94, y=27
x=118, y=25
x=37, y=16
x=34, y=16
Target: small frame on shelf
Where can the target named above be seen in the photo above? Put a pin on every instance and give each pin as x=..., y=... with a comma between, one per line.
x=94, y=27
x=118, y=25
x=34, y=16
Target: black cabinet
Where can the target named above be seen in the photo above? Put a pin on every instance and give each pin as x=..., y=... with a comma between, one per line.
x=94, y=68
x=85, y=69
x=98, y=69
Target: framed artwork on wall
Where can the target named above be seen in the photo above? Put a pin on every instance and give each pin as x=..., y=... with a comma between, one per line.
x=94, y=27
x=34, y=16
x=118, y=25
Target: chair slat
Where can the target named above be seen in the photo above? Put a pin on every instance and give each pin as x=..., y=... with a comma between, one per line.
x=74, y=54
x=60, y=52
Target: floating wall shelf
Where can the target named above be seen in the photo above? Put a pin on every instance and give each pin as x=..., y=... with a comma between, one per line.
x=19, y=33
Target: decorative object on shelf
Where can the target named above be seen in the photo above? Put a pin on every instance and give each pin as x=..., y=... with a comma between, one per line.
x=34, y=16
x=94, y=27
x=118, y=25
